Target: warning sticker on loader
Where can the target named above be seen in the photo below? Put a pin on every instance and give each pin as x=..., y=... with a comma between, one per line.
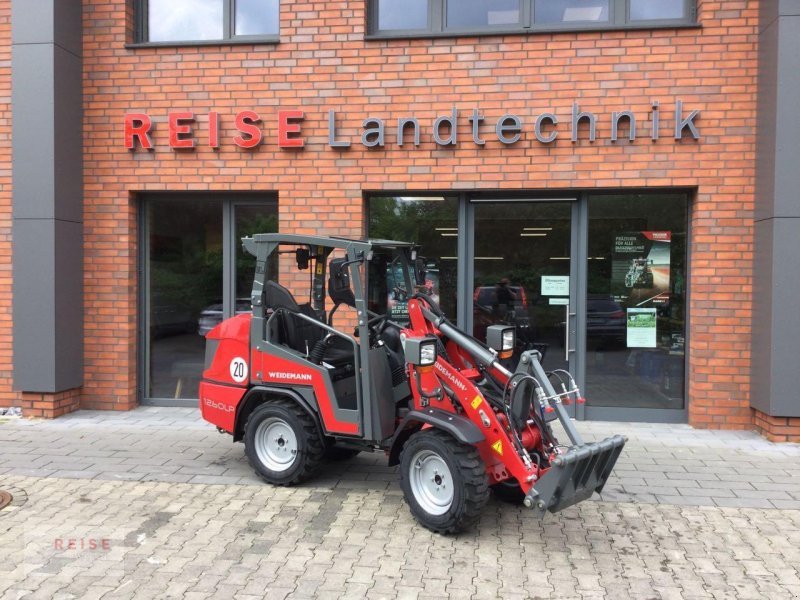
x=498, y=447
x=476, y=402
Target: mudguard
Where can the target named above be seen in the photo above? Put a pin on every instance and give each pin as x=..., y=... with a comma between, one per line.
x=254, y=397
x=459, y=427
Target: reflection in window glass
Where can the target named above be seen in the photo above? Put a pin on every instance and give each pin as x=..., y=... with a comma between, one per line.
x=433, y=224
x=636, y=302
x=520, y=246
x=251, y=219
x=483, y=13
x=650, y=10
x=257, y=17
x=410, y=14
x=184, y=20
x=570, y=11
x=185, y=283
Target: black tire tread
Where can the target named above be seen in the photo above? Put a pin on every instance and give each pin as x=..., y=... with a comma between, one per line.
x=315, y=449
x=472, y=470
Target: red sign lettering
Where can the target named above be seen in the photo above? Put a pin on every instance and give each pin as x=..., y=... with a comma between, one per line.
x=285, y=128
x=213, y=129
x=246, y=124
x=179, y=127
x=137, y=126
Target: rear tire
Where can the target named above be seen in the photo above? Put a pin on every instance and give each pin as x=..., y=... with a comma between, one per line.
x=444, y=481
x=282, y=443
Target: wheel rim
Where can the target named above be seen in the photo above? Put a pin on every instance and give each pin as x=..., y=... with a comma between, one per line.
x=276, y=444
x=431, y=482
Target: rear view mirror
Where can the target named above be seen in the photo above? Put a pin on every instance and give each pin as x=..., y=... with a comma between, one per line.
x=302, y=255
x=420, y=270
x=339, y=276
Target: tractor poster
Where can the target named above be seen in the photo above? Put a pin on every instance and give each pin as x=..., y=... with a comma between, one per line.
x=640, y=264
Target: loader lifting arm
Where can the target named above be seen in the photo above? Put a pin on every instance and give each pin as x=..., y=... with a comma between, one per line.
x=571, y=474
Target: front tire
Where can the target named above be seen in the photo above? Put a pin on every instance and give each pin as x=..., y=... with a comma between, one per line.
x=444, y=481
x=282, y=443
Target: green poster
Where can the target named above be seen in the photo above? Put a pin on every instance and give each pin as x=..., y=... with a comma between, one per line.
x=641, y=327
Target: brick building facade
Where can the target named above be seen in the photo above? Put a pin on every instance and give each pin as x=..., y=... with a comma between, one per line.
x=327, y=61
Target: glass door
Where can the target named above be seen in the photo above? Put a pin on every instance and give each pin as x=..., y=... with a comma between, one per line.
x=195, y=274
x=523, y=273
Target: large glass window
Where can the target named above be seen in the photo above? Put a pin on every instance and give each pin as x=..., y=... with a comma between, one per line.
x=483, y=13
x=653, y=10
x=431, y=222
x=636, y=303
x=571, y=11
x=442, y=17
x=168, y=21
x=186, y=261
x=393, y=15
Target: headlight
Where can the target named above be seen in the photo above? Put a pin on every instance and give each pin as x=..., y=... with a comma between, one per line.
x=427, y=354
x=501, y=338
x=421, y=352
x=508, y=339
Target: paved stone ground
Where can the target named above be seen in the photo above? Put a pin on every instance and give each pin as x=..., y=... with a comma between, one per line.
x=671, y=464
x=689, y=514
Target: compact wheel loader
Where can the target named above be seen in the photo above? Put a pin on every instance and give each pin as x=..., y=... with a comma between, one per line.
x=404, y=380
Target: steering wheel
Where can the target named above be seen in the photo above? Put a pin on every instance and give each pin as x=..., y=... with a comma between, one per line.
x=376, y=322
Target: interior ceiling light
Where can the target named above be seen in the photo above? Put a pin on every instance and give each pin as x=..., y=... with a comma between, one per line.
x=420, y=199
x=537, y=229
x=532, y=235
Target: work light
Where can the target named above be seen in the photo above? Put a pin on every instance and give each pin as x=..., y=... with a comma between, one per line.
x=421, y=352
x=501, y=338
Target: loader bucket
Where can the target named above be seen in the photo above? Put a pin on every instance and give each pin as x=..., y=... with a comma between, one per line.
x=575, y=476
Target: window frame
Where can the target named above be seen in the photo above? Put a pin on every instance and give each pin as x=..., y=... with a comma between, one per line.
x=229, y=36
x=619, y=18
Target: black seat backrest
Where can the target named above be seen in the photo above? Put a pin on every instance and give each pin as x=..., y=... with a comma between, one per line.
x=298, y=333
x=339, y=288
x=276, y=296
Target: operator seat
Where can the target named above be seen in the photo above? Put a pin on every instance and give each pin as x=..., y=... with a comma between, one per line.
x=300, y=335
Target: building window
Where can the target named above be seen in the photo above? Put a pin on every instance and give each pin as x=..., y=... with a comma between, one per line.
x=572, y=11
x=394, y=16
x=389, y=18
x=207, y=21
x=475, y=14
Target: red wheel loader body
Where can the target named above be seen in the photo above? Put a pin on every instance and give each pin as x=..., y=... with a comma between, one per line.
x=437, y=401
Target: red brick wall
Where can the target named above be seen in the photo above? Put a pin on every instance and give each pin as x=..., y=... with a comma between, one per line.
x=323, y=62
